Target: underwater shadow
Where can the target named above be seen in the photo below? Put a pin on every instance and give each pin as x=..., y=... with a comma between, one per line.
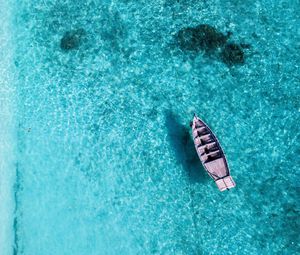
x=183, y=146
x=212, y=43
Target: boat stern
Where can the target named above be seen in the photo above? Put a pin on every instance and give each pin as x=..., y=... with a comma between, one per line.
x=225, y=183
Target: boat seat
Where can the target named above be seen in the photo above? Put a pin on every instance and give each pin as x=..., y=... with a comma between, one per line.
x=197, y=125
x=207, y=136
x=208, y=145
x=206, y=139
x=214, y=153
x=203, y=132
x=201, y=129
x=204, y=149
x=198, y=133
x=211, y=156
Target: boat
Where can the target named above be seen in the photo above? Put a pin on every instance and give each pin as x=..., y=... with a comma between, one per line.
x=211, y=154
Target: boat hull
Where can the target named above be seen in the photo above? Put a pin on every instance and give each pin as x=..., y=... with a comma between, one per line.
x=211, y=154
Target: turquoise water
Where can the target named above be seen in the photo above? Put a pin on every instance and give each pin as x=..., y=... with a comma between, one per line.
x=7, y=131
x=101, y=95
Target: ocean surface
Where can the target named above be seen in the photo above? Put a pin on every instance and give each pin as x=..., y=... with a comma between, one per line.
x=96, y=154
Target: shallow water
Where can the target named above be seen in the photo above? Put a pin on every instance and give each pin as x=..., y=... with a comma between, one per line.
x=105, y=162
x=7, y=131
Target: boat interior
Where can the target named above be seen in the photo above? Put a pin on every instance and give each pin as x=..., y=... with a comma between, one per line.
x=207, y=146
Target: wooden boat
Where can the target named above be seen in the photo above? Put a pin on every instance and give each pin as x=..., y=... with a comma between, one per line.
x=211, y=154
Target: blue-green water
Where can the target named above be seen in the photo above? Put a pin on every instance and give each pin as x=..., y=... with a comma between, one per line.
x=98, y=135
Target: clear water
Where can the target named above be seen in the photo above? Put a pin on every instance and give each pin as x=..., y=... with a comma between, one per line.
x=7, y=131
x=99, y=141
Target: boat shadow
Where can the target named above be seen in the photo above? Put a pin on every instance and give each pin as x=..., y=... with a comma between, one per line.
x=183, y=146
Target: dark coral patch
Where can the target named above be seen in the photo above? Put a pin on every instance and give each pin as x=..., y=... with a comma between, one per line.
x=233, y=54
x=72, y=39
x=202, y=37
